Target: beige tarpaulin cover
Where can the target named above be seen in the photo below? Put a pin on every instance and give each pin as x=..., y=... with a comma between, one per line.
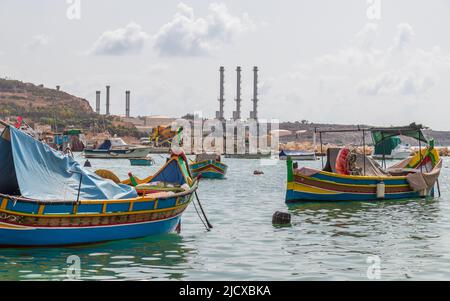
x=424, y=180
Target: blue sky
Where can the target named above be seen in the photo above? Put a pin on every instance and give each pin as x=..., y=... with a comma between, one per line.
x=324, y=61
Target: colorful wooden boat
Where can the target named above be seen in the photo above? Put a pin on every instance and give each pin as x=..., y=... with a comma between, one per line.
x=413, y=177
x=154, y=206
x=208, y=166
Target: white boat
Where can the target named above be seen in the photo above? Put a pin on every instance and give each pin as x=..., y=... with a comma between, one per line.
x=116, y=148
x=297, y=155
x=401, y=151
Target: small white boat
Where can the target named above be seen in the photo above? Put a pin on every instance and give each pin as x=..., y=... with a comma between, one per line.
x=116, y=148
x=297, y=155
x=401, y=151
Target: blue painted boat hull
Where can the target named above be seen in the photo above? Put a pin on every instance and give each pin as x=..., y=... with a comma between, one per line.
x=211, y=175
x=52, y=236
x=293, y=196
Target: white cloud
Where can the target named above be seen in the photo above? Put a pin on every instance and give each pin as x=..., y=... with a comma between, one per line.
x=365, y=38
x=342, y=85
x=398, y=83
x=405, y=34
x=37, y=41
x=186, y=35
x=127, y=40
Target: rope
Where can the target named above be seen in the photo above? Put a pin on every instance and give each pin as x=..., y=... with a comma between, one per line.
x=196, y=210
x=201, y=208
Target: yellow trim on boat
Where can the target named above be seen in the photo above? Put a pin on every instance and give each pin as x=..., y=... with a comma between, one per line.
x=306, y=188
x=12, y=226
x=96, y=214
x=4, y=203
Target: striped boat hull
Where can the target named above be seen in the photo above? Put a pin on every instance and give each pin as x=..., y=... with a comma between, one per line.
x=209, y=169
x=327, y=186
x=29, y=223
x=53, y=236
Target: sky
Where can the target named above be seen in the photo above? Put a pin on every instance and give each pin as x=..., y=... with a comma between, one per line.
x=372, y=62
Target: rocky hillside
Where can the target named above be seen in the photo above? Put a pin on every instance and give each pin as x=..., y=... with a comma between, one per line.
x=37, y=103
x=441, y=138
x=19, y=98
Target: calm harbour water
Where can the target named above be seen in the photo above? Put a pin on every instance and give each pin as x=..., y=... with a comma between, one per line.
x=325, y=241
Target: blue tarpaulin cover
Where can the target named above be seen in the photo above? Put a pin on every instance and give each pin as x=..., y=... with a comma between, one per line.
x=42, y=173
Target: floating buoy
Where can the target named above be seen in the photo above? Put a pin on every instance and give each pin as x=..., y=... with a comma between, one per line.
x=281, y=218
x=381, y=189
x=87, y=164
x=258, y=172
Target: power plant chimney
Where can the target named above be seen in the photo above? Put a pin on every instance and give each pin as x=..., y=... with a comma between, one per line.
x=127, y=104
x=107, y=100
x=97, y=102
x=219, y=114
x=254, y=113
x=237, y=113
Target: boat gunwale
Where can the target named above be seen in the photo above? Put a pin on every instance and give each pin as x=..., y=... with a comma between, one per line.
x=93, y=214
x=356, y=177
x=209, y=162
x=144, y=198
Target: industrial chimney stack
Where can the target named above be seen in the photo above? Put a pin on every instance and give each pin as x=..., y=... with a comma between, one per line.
x=254, y=113
x=107, y=100
x=237, y=113
x=127, y=104
x=219, y=114
x=97, y=102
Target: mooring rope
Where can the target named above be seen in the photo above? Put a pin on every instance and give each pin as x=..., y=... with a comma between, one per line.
x=201, y=208
x=200, y=217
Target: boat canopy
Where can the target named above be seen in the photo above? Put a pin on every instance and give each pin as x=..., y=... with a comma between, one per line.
x=113, y=142
x=32, y=169
x=117, y=142
x=413, y=130
x=386, y=146
x=106, y=145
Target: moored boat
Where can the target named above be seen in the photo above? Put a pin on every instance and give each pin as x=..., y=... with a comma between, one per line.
x=249, y=156
x=391, y=149
x=116, y=148
x=208, y=166
x=47, y=199
x=297, y=155
x=147, y=161
x=349, y=176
